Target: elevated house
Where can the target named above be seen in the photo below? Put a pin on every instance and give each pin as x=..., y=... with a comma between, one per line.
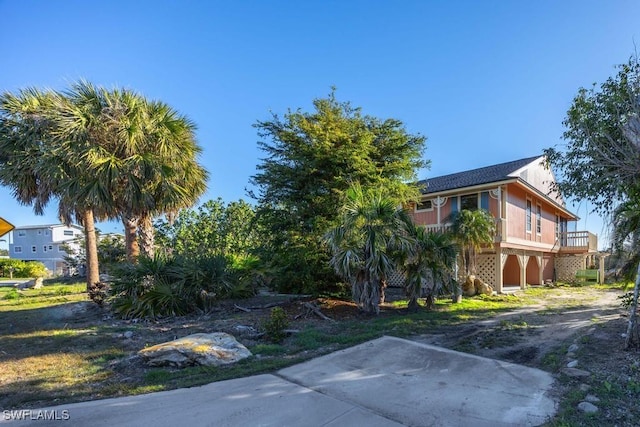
x=534, y=241
x=49, y=244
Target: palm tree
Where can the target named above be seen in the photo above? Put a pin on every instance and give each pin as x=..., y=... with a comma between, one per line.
x=103, y=154
x=40, y=154
x=372, y=233
x=432, y=260
x=25, y=147
x=146, y=155
x=626, y=232
x=176, y=179
x=472, y=229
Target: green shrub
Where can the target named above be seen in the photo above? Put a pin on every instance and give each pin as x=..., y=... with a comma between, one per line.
x=153, y=287
x=22, y=269
x=173, y=286
x=34, y=269
x=12, y=294
x=276, y=325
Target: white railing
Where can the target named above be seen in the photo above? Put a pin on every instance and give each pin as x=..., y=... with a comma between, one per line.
x=578, y=240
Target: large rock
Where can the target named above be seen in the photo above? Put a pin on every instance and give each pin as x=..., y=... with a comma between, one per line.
x=587, y=407
x=198, y=349
x=482, y=288
x=575, y=372
x=31, y=284
x=468, y=287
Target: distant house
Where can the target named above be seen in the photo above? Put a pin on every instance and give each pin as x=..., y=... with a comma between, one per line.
x=46, y=244
x=533, y=241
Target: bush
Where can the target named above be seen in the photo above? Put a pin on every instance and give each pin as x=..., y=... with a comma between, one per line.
x=22, y=269
x=174, y=286
x=276, y=325
x=34, y=269
x=151, y=288
x=12, y=294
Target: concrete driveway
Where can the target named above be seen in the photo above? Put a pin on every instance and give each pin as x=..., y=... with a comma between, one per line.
x=385, y=382
x=12, y=282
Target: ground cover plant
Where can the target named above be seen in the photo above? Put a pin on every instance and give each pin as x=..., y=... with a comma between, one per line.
x=57, y=347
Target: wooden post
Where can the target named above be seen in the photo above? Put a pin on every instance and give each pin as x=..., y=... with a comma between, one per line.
x=601, y=258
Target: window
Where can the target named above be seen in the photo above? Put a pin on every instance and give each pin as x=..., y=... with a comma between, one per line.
x=425, y=205
x=17, y=249
x=34, y=249
x=61, y=248
x=527, y=218
x=22, y=233
x=469, y=202
x=557, y=225
x=46, y=232
x=68, y=232
x=538, y=219
x=50, y=247
x=44, y=248
x=39, y=232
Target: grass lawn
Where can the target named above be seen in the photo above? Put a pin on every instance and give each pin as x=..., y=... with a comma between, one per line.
x=58, y=347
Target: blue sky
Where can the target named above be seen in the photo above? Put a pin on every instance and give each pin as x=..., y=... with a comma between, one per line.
x=485, y=81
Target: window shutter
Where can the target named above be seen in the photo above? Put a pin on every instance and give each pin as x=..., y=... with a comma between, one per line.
x=484, y=200
x=454, y=204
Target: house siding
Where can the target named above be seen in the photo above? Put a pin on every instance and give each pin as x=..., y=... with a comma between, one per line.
x=519, y=256
x=516, y=216
x=516, y=212
x=425, y=217
x=47, y=240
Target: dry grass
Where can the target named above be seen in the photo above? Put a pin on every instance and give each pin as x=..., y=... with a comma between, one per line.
x=57, y=347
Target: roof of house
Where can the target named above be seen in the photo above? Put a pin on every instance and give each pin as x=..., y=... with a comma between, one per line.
x=485, y=175
x=43, y=226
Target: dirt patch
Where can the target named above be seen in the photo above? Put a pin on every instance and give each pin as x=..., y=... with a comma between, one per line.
x=581, y=329
x=537, y=335
x=526, y=335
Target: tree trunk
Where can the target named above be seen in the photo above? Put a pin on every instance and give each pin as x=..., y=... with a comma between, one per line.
x=91, y=249
x=633, y=313
x=465, y=262
x=412, y=290
x=147, y=236
x=370, y=298
x=413, y=305
x=130, y=236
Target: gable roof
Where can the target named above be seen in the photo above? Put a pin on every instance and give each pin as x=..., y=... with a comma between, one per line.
x=485, y=175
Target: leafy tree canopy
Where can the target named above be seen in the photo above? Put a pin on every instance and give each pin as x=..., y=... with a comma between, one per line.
x=311, y=159
x=601, y=162
x=601, y=159
x=214, y=228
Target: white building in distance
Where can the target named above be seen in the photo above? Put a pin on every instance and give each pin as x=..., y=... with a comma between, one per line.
x=46, y=244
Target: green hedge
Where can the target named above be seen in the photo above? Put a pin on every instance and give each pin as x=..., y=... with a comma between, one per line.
x=22, y=269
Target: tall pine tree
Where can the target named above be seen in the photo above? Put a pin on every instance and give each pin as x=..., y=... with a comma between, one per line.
x=312, y=158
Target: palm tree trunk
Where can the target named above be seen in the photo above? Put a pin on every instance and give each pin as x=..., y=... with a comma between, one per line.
x=633, y=313
x=374, y=296
x=91, y=249
x=147, y=237
x=130, y=237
